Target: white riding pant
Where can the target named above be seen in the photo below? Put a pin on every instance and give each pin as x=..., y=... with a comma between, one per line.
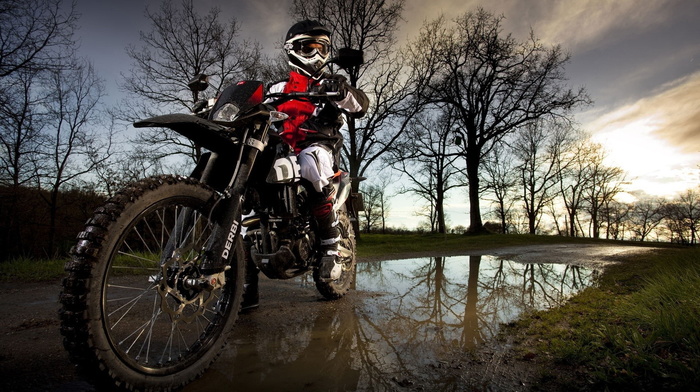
x=316, y=165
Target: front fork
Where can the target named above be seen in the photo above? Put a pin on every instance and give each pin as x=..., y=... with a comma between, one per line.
x=228, y=211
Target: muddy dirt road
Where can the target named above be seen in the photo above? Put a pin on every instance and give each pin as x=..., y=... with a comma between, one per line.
x=298, y=341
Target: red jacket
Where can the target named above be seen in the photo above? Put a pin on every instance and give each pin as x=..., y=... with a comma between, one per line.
x=309, y=122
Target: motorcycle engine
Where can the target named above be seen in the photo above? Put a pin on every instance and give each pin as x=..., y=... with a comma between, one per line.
x=291, y=259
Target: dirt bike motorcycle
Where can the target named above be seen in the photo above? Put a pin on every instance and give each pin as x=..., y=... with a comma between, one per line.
x=155, y=281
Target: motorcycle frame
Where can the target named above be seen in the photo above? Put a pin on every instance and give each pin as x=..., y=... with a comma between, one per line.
x=227, y=169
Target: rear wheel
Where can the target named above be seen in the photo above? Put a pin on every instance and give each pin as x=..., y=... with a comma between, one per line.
x=136, y=309
x=338, y=288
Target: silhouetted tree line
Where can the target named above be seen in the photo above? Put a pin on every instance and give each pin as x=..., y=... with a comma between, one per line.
x=24, y=221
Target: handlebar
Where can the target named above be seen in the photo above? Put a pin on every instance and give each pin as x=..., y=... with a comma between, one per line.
x=305, y=94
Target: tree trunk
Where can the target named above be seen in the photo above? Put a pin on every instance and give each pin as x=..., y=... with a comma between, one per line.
x=572, y=223
x=595, y=224
x=440, y=211
x=504, y=227
x=354, y=164
x=53, y=210
x=531, y=222
x=476, y=226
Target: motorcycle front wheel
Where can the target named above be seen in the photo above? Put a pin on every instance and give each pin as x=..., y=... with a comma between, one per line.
x=136, y=312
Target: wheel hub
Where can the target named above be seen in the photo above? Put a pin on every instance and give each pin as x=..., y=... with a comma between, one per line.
x=183, y=296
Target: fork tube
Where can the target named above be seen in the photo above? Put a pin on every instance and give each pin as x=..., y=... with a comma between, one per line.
x=228, y=214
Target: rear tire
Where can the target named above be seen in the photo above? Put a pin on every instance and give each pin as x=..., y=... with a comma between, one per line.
x=130, y=314
x=338, y=288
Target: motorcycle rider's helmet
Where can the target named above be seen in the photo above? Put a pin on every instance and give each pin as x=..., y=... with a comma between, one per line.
x=308, y=46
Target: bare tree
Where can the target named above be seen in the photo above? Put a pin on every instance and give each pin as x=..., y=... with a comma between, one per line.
x=182, y=44
x=683, y=217
x=538, y=148
x=574, y=177
x=495, y=84
x=616, y=217
x=424, y=157
x=499, y=177
x=35, y=34
x=645, y=216
x=21, y=122
x=605, y=183
x=117, y=163
x=72, y=145
x=36, y=39
x=376, y=203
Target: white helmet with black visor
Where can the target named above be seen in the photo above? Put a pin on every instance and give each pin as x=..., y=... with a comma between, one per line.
x=308, y=46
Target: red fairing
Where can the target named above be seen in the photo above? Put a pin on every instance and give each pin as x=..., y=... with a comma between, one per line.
x=257, y=96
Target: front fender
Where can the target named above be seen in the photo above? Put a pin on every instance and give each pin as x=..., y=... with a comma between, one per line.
x=203, y=132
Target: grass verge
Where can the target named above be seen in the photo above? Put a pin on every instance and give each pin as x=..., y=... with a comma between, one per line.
x=31, y=270
x=638, y=330
x=387, y=245
x=369, y=246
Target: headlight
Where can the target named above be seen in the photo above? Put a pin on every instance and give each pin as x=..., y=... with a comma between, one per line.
x=227, y=113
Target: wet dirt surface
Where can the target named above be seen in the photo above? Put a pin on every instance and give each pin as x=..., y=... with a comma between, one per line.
x=412, y=324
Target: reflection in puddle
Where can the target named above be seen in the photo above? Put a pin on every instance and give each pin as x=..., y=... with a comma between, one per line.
x=463, y=300
x=410, y=315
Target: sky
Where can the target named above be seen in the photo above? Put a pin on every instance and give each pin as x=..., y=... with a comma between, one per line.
x=639, y=61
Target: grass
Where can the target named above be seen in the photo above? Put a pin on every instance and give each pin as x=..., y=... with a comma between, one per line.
x=369, y=245
x=638, y=330
x=382, y=245
x=30, y=270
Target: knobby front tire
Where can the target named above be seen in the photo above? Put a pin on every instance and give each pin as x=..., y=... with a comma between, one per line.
x=130, y=314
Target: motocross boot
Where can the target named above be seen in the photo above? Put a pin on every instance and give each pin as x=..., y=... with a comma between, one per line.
x=329, y=264
x=327, y=224
x=251, y=300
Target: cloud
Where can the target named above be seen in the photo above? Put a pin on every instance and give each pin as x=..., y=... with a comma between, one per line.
x=682, y=113
x=575, y=23
x=656, y=140
x=671, y=114
x=593, y=22
x=262, y=21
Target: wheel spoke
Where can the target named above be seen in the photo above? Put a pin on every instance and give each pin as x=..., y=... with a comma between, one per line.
x=142, y=317
x=168, y=347
x=156, y=320
x=132, y=302
x=143, y=241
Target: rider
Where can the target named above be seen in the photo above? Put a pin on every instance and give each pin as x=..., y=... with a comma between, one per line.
x=313, y=131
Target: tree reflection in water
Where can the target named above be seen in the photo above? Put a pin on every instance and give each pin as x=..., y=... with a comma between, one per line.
x=461, y=301
x=415, y=315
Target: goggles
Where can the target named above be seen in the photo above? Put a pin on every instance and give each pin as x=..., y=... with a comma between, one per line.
x=309, y=47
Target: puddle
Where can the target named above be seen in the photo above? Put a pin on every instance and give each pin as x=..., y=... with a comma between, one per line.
x=465, y=299
x=405, y=318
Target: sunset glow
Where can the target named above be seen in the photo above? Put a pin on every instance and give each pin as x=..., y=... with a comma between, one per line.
x=656, y=140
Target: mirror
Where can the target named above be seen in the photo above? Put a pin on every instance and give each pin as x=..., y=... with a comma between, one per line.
x=348, y=58
x=199, y=83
